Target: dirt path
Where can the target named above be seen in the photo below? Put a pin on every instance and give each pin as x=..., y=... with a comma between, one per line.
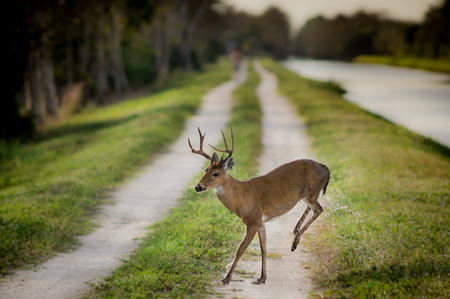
x=141, y=202
x=284, y=140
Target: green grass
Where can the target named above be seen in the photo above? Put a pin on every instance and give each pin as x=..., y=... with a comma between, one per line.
x=51, y=188
x=411, y=62
x=189, y=249
x=386, y=229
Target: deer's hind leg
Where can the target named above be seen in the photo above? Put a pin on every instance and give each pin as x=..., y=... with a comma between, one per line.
x=300, y=222
x=313, y=204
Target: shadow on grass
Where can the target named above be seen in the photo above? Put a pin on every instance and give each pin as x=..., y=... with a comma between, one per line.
x=328, y=85
x=395, y=273
x=435, y=146
x=86, y=128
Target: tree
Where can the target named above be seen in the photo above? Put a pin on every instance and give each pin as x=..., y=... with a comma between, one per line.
x=275, y=32
x=188, y=28
x=110, y=45
x=345, y=37
x=101, y=72
x=391, y=38
x=121, y=83
x=163, y=28
x=433, y=36
x=12, y=124
x=342, y=37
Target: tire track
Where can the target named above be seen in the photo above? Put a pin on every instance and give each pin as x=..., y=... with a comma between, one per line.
x=284, y=140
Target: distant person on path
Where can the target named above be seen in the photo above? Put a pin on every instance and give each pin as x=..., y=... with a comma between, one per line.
x=236, y=58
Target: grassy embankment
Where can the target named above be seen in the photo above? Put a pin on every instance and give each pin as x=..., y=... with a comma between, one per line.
x=50, y=189
x=188, y=249
x=411, y=62
x=386, y=230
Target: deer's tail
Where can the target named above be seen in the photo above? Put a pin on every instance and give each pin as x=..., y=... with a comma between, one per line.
x=328, y=179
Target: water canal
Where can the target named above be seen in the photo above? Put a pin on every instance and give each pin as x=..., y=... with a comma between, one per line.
x=416, y=99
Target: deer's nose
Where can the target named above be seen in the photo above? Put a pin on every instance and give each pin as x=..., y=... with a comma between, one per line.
x=198, y=188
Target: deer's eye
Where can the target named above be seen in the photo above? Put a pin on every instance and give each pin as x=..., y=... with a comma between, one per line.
x=216, y=174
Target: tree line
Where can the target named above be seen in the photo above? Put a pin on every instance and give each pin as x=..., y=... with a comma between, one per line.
x=344, y=37
x=64, y=53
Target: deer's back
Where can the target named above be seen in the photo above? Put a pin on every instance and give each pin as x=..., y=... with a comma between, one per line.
x=290, y=182
x=303, y=170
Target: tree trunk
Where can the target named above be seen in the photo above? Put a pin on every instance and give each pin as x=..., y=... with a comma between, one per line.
x=101, y=62
x=189, y=30
x=167, y=24
x=121, y=82
x=27, y=92
x=69, y=56
x=165, y=67
x=85, y=55
x=49, y=79
x=185, y=47
x=36, y=90
x=159, y=40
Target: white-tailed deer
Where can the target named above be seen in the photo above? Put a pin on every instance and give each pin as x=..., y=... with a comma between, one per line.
x=263, y=198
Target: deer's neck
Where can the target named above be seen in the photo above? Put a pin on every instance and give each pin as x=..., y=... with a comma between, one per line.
x=230, y=192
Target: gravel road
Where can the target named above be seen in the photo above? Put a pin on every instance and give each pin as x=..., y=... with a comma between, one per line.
x=145, y=199
x=284, y=140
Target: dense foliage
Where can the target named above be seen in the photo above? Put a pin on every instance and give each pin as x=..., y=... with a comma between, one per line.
x=64, y=54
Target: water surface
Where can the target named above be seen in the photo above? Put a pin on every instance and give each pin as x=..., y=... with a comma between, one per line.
x=416, y=99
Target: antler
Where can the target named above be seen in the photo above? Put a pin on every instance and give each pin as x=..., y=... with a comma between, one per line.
x=226, y=150
x=200, y=151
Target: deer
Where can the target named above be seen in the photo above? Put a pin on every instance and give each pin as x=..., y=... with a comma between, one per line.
x=264, y=198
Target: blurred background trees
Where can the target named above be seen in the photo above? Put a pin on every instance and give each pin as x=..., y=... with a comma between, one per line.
x=344, y=37
x=62, y=54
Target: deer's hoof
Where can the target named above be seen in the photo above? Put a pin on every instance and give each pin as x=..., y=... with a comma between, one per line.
x=226, y=280
x=295, y=242
x=260, y=281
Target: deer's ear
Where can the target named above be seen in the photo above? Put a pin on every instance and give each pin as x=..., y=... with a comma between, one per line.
x=229, y=164
x=215, y=158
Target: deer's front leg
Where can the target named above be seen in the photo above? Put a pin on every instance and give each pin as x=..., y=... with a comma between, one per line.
x=250, y=233
x=262, y=244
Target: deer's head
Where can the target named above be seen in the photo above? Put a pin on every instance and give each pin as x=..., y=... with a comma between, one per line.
x=217, y=170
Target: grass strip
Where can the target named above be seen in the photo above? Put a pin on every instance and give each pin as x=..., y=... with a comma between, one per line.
x=189, y=248
x=50, y=189
x=436, y=65
x=386, y=229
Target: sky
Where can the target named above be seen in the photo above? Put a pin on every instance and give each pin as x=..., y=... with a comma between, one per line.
x=300, y=11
